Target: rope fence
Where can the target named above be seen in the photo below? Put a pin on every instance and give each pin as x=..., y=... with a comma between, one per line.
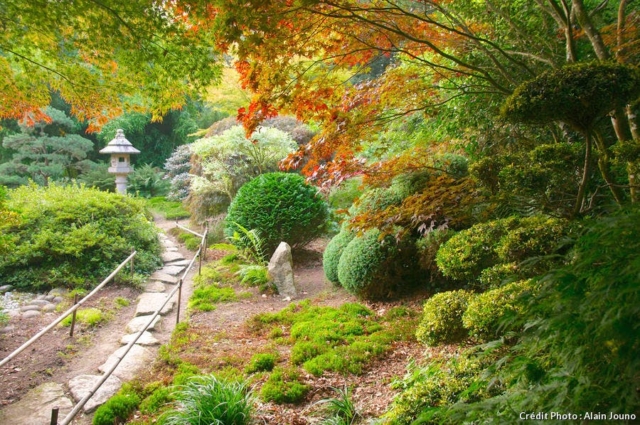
x=199, y=254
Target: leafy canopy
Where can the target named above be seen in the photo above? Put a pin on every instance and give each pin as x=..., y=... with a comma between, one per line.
x=95, y=54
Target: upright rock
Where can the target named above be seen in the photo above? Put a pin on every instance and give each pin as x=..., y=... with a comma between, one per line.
x=281, y=270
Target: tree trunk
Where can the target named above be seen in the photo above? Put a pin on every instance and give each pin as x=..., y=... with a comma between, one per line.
x=603, y=165
x=585, y=176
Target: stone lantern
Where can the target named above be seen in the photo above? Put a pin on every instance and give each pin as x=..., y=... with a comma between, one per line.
x=120, y=149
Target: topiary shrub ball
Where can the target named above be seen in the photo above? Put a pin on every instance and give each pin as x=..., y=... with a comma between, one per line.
x=442, y=319
x=373, y=268
x=280, y=207
x=332, y=254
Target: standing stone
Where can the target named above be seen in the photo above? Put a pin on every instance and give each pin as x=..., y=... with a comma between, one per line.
x=281, y=271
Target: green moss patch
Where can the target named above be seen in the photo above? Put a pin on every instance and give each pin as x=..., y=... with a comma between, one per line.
x=340, y=339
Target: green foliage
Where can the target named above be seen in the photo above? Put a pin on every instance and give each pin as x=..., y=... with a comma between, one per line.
x=261, y=362
x=468, y=253
x=229, y=160
x=577, y=94
x=283, y=386
x=341, y=339
x=74, y=236
x=281, y=207
x=426, y=391
x=332, y=254
x=4, y=317
x=373, y=268
x=46, y=151
x=212, y=401
x=343, y=196
x=488, y=313
x=577, y=351
x=534, y=178
x=118, y=408
x=204, y=298
x=250, y=244
x=171, y=210
x=153, y=403
x=341, y=409
x=442, y=319
x=427, y=247
x=147, y=181
x=155, y=140
x=253, y=275
x=98, y=176
x=87, y=316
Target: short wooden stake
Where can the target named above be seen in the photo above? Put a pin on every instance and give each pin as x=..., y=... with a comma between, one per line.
x=132, y=265
x=54, y=416
x=179, y=300
x=73, y=315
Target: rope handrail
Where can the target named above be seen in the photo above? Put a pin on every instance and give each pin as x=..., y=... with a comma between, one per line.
x=67, y=420
x=66, y=313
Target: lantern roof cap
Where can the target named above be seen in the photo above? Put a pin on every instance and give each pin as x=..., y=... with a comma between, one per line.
x=119, y=145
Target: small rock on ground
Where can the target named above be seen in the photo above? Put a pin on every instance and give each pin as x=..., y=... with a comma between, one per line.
x=136, y=324
x=145, y=339
x=172, y=270
x=154, y=286
x=134, y=360
x=29, y=314
x=171, y=256
x=163, y=277
x=149, y=303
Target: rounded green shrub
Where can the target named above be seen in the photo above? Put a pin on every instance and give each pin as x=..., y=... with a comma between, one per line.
x=487, y=313
x=373, y=268
x=332, y=254
x=377, y=199
x=280, y=207
x=74, y=236
x=507, y=242
x=442, y=318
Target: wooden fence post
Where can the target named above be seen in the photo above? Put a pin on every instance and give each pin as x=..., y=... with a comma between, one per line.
x=73, y=315
x=179, y=300
x=132, y=265
x=54, y=416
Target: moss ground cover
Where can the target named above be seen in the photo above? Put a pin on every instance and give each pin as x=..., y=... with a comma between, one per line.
x=342, y=339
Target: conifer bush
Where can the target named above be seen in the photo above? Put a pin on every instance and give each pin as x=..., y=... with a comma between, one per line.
x=332, y=254
x=442, y=319
x=73, y=236
x=374, y=268
x=280, y=207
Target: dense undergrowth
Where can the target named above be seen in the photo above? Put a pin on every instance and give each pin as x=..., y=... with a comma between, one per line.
x=73, y=236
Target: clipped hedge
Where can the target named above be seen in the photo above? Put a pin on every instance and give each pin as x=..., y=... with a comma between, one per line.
x=74, y=236
x=332, y=254
x=442, y=319
x=487, y=313
x=467, y=254
x=373, y=268
x=281, y=207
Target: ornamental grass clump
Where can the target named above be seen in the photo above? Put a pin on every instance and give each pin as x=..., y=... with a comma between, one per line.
x=208, y=400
